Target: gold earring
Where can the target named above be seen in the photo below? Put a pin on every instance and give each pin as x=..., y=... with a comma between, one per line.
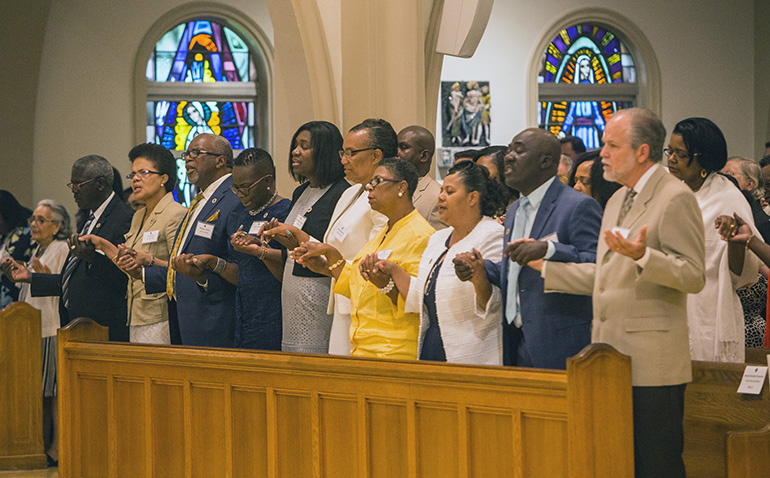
x=703, y=173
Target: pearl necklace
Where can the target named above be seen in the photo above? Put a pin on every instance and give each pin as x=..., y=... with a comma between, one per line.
x=254, y=212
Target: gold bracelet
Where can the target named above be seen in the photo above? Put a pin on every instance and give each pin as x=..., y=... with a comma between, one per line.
x=263, y=253
x=114, y=259
x=751, y=236
x=336, y=264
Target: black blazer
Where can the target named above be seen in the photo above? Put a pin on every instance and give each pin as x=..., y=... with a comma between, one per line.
x=318, y=216
x=97, y=289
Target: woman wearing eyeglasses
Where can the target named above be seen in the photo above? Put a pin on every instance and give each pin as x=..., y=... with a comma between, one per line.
x=50, y=227
x=353, y=222
x=257, y=267
x=696, y=152
x=149, y=240
x=380, y=325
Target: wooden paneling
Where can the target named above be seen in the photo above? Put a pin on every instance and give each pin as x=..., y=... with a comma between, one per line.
x=712, y=409
x=21, y=389
x=143, y=410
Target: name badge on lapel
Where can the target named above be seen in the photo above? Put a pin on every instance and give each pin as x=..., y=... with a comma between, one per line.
x=203, y=229
x=300, y=221
x=149, y=237
x=255, y=227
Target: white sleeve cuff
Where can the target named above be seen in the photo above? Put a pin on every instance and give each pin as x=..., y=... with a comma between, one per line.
x=642, y=261
x=551, y=250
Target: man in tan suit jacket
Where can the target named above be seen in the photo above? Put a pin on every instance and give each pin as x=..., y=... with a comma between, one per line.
x=650, y=258
x=416, y=145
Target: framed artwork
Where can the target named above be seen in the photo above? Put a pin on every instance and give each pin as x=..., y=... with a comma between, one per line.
x=465, y=113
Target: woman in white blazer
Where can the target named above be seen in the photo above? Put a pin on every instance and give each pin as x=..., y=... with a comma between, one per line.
x=453, y=328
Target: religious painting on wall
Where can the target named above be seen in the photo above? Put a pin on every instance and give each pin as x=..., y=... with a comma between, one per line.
x=191, y=55
x=465, y=113
x=584, y=54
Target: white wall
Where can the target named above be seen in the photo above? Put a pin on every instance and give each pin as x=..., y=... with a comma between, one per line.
x=85, y=96
x=704, y=50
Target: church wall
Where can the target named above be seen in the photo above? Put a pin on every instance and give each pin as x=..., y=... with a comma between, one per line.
x=704, y=50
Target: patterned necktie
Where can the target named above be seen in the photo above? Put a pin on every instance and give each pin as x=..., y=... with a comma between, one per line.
x=171, y=274
x=72, y=261
x=628, y=201
x=512, y=312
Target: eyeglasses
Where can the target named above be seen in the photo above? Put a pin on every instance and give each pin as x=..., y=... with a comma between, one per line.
x=245, y=191
x=352, y=152
x=377, y=181
x=39, y=220
x=142, y=173
x=76, y=186
x=678, y=154
x=194, y=153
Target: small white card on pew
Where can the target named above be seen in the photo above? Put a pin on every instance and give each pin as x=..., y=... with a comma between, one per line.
x=753, y=379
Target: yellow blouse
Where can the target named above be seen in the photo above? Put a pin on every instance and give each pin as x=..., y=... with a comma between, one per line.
x=378, y=327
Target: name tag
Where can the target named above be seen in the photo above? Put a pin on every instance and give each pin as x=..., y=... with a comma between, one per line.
x=300, y=221
x=551, y=237
x=255, y=227
x=340, y=233
x=383, y=255
x=204, y=230
x=150, y=237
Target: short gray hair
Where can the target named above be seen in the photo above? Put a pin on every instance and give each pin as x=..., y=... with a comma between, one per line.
x=96, y=166
x=646, y=128
x=750, y=169
x=60, y=214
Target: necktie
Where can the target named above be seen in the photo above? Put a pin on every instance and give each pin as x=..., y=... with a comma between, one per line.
x=628, y=201
x=170, y=275
x=72, y=261
x=512, y=312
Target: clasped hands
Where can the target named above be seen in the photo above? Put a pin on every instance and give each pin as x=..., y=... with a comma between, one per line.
x=733, y=229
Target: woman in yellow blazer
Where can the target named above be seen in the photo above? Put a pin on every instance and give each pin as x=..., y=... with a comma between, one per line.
x=380, y=327
x=149, y=240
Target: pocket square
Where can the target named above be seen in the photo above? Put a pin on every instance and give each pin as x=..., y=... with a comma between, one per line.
x=213, y=217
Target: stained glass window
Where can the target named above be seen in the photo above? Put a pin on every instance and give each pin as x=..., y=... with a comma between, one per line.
x=587, y=74
x=201, y=79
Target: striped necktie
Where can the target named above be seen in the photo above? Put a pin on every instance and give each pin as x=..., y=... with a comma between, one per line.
x=72, y=261
x=628, y=201
x=171, y=274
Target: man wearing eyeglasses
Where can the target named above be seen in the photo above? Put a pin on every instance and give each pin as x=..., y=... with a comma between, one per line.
x=203, y=300
x=90, y=284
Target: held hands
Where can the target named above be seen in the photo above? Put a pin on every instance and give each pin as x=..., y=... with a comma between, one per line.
x=247, y=243
x=375, y=270
x=131, y=261
x=733, y=229
x=526, y=250
x=634, y=249
x=469, y=266
x=82, y=246
x=14, y=270
x=289, y=236
x=186, y=264
x=313, y=255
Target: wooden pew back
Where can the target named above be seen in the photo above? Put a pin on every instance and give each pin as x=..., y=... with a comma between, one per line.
x=722, y=427
x=139, y=410
x=21, y=388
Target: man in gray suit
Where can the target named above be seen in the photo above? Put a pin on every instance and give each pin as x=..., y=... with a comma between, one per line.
x=650, y=258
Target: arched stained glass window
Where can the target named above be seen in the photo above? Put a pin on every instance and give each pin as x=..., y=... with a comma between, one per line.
x=587, y=74
x=201, y=79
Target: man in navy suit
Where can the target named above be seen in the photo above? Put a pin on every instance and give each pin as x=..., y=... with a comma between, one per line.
x=89, y=284
x=203, y=300
x=552, y=221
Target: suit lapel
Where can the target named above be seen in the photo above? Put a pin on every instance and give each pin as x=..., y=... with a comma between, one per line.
x=208, y=209
x=545, y=209
x=105, y=214
x=644, y=197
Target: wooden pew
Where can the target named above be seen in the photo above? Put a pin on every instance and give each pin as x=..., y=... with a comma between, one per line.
x=727, y=434
x=21, y=388
x=141, y=410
